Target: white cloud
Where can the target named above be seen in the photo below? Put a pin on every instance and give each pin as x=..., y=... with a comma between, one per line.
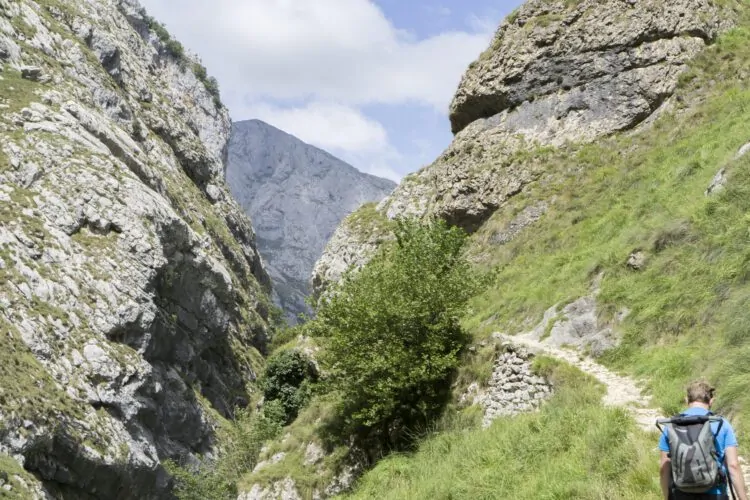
x=326, y=125
x=341, y=130
x=438, y=10
x=333, y=50
x=309, y=67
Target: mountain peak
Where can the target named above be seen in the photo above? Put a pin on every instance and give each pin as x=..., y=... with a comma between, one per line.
x=296, y=195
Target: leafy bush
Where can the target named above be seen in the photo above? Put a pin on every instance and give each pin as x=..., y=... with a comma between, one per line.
x=175, y=48
x=392, y=330
x=211, y=84
x=287, y=380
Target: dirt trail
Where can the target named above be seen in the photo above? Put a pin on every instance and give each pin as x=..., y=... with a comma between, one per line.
x=622, y=391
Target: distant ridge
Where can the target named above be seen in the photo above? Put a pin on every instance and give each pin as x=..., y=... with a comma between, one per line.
x=296, y=195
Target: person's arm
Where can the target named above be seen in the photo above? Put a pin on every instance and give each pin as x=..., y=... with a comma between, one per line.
x=665, y=472
x=735, y=472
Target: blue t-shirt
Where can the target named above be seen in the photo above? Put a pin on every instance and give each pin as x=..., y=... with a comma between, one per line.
x=725, y=439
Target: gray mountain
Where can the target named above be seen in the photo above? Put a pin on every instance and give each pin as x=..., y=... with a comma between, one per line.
x=296, y=195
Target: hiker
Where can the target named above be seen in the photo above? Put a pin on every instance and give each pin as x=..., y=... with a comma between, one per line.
x=693, y=426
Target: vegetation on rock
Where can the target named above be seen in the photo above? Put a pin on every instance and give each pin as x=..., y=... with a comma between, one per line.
x=242, y=441
x=686, y=311
x=177, y=50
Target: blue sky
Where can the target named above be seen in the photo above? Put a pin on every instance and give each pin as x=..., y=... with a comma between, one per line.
x=368, y=80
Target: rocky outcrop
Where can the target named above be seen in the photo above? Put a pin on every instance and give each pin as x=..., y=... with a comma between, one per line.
x=132, y=296
x=334, y=472
x=285, y=489
x=557, y=72
x=577, y=325
x=352, y=245
x=577, y=70
x=528, y=216
x=296, y=195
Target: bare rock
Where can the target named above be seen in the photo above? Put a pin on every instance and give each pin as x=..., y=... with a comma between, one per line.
x=285, y=489
x=526, y=218
x=721, y=179
x=717, y=183
x=577, y=325
x=350, y=247
x=296, y=195
x=34, y=73
x=637, y=260
x=314, y=454
x=601, y=64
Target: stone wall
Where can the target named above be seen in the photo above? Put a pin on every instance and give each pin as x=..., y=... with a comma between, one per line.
x=513, y=387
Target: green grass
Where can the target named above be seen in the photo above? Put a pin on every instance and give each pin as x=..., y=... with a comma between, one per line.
x=10, y=472
x=17, y=92
x=688, y=305
x=572, y=449
x=310, y=426
x=26, y=389
x=367, y=221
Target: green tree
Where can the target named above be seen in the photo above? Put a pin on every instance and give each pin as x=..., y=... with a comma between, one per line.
x=392, y=329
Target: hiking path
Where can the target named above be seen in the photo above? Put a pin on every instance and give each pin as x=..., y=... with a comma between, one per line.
x=622, y=391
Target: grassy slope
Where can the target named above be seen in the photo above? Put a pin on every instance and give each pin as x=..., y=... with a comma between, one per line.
x=688, y=306
x=564, y=451
x=646, y=191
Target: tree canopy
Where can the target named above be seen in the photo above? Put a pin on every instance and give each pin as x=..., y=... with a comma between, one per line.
x=392, y=329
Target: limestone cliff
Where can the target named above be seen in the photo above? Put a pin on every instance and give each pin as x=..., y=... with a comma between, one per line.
x=132, y=297
x=556, y=72
x=296, y=195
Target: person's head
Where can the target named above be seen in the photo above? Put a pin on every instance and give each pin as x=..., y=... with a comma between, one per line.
x=700, y=392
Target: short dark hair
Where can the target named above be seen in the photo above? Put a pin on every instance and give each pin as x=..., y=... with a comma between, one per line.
x=700, y=391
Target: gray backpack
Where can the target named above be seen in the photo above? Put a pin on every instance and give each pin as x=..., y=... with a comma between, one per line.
x=692, y=450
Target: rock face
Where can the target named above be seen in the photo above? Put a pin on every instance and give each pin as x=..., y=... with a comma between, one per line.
x=296, y=195
x=556, y=72
x=351, y=246
x=578, y=72
x=577, y=325
x=132, y=297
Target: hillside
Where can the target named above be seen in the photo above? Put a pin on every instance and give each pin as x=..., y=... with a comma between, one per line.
x=557, y=73
x=133, y=301
x=600, y=164
x=296, y=196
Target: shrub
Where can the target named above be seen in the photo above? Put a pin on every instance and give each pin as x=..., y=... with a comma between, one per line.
x=287, y=380
x=175, y=48
x=392, y=330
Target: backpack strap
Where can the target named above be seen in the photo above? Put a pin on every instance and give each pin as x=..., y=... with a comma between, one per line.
x=683, y=419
